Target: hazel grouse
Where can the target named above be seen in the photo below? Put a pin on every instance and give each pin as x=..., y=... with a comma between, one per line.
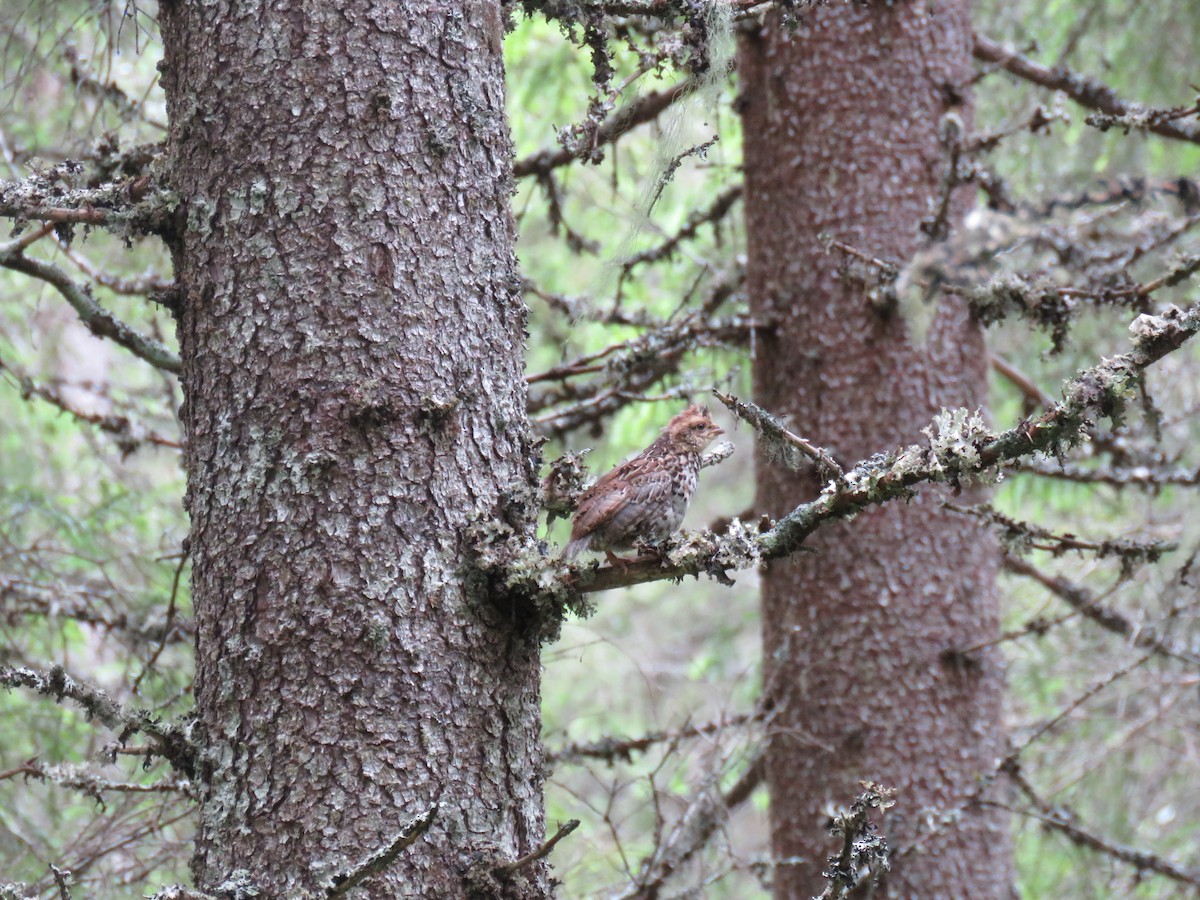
x=645, y=498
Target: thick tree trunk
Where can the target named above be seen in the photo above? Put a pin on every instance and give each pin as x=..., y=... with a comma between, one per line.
x=841, y=123
x=352, y=342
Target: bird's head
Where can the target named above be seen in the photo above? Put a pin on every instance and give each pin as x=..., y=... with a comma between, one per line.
x=693, y=429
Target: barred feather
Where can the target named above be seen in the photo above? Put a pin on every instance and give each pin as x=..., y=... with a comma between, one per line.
x=645, y=498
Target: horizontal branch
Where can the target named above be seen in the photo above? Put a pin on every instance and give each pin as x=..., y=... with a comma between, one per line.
x=1086, y=92
x=171, y=741
x=19, y=597
x=131, y=207
x=127, y=434
x=654, y=8
x=90, y=784
x=1019, y=537
x=1119, y=477
x=613, y=749
x=631, y=369
x=959, y=448
x=182, y=892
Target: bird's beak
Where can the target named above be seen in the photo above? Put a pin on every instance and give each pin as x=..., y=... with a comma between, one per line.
x=717, y=431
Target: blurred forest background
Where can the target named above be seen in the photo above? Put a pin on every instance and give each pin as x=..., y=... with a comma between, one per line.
x=651, y=695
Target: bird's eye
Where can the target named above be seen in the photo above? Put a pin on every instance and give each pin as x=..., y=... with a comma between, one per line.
x=697, y=426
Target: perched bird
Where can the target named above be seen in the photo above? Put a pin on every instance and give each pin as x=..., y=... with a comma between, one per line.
x=646, y=497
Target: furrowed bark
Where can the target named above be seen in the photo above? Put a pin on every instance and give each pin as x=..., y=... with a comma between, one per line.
x=351, y=334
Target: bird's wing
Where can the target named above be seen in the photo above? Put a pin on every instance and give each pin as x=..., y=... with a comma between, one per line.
x=640, y=481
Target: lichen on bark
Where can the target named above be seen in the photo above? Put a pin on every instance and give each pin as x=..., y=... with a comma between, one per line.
x=351, y=335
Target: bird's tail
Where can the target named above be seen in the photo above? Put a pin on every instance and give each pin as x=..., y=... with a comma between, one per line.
x=576, y=546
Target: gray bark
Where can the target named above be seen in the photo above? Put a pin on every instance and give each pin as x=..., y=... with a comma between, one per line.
x=351, y=337
x=841, y=124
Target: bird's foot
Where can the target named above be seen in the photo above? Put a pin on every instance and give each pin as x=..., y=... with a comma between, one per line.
x=646, y=553
x=620, y=562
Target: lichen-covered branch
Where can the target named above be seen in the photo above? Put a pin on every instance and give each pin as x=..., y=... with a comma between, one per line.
x=171, y=740
x=780, y=444
x=131, y=207
x=863, y=847
x=98, y=320
x=1022, y=537
x=960, y=447
x=182, y=892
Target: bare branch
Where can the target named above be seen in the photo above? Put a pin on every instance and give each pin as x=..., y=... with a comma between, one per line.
x=148, y=283
x=634, y=367
x=613, y=749
x=26, y=598
x=1137, y=476
x=170, y=628
x=1021, y=381
x=644, y=109
x=706, y=813
x=1087, y=92
x=382, y=858
x=1060, y=820
x=541, y=852
x=1096, y=688
x=1083, y=601
x=128, y=435
x=711, y=214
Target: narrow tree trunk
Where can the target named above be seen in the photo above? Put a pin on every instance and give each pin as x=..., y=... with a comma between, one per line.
x=352, y=342
x=841, y=123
